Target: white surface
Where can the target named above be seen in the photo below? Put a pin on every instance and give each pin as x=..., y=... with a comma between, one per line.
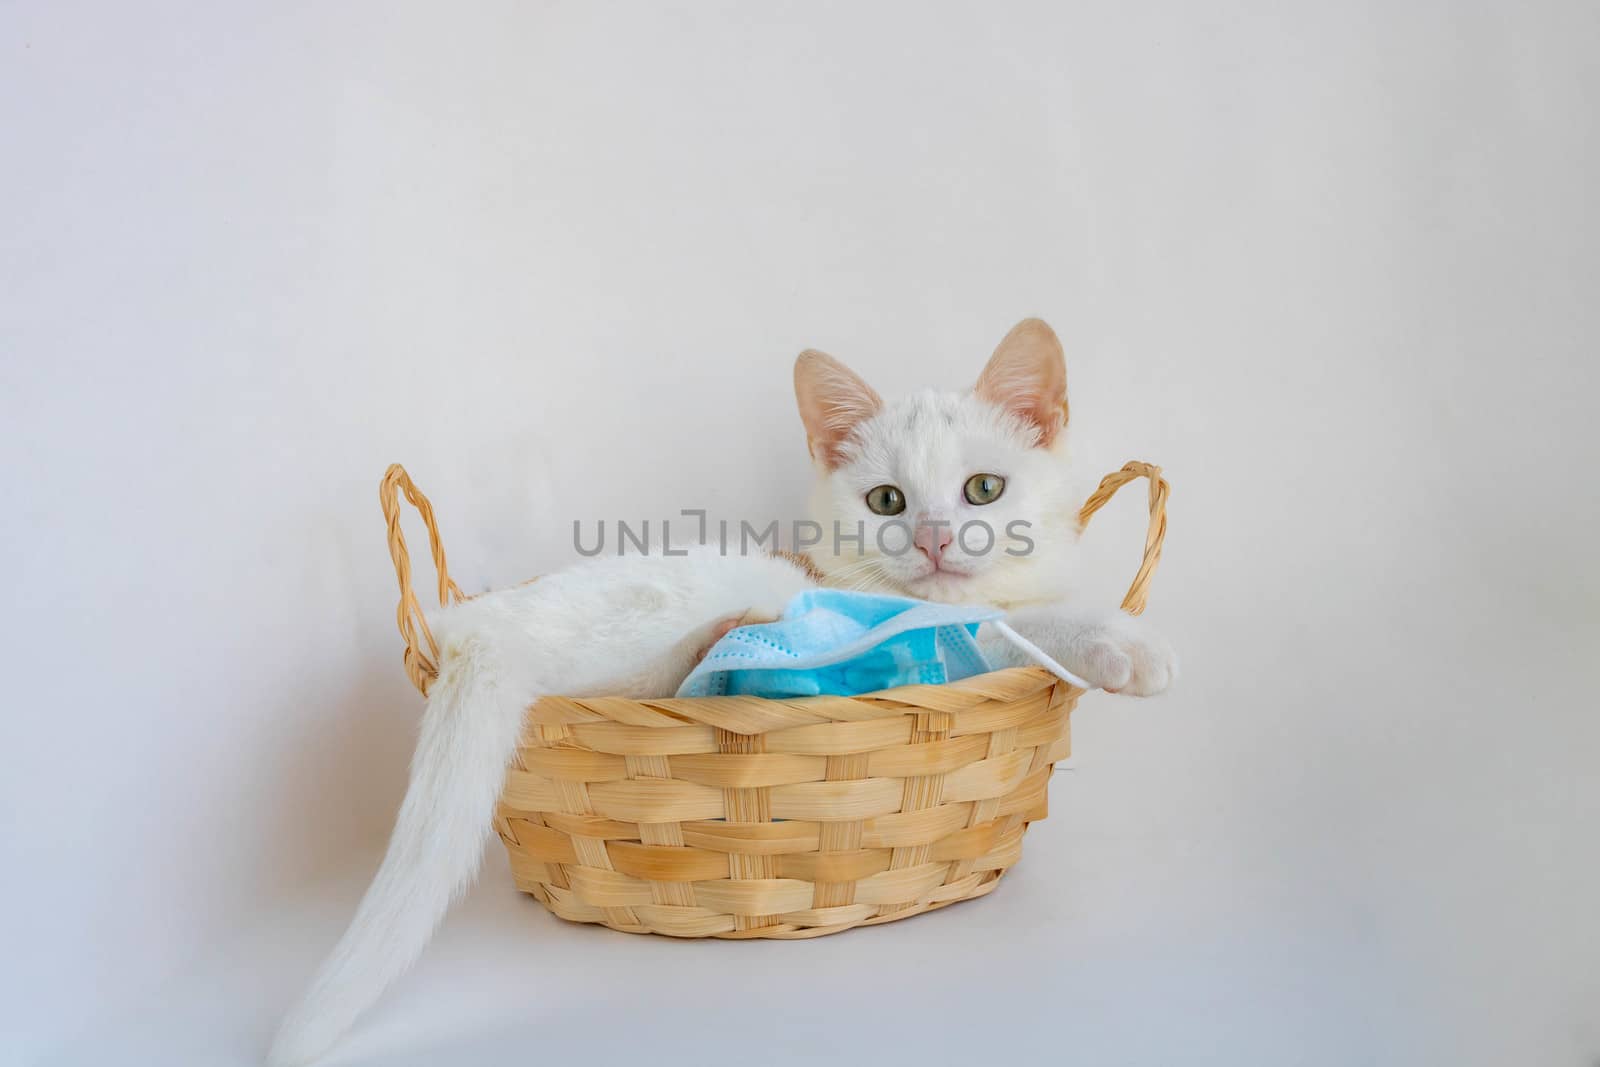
x=1332, y=264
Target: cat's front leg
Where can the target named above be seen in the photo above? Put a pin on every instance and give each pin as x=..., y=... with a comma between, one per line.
x=1111, y=649
x=662, y=674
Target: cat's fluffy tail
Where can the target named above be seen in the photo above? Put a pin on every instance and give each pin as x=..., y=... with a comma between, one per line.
x=469, y=732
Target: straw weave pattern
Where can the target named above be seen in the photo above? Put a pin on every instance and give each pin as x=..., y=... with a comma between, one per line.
x=741, y=817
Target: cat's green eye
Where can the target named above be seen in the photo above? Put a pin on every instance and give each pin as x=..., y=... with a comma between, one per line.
x=984, y=488
x=886, y=500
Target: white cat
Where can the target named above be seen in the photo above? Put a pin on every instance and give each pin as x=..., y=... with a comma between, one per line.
x=940, y=467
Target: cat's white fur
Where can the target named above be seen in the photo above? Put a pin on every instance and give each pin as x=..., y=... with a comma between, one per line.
x=633, y=626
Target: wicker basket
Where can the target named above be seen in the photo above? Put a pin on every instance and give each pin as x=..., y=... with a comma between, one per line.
x=739, y=817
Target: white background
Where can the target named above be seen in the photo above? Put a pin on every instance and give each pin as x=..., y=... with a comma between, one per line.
x=1334, y=265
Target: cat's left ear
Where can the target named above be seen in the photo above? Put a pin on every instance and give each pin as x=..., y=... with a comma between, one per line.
x=1027, y=375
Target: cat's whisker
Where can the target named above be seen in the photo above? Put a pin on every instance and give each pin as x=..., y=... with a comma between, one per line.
x=871, y=580
x=861, y=564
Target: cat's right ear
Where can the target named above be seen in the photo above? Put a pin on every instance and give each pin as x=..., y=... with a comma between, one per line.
x=1027, y=376
x=833, y=402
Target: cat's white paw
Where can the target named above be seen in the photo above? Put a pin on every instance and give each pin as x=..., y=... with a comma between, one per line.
x=1126, y=657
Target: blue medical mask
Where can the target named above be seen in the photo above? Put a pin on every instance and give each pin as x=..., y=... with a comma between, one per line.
x=840, y=643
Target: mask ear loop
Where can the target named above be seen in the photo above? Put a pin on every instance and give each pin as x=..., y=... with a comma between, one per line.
x=1039, y=656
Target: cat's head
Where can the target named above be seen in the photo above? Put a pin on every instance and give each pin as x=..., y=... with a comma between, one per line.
x=928, y=478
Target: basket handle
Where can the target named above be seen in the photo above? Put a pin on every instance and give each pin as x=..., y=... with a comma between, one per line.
x=421, y=667
x=1154, y=535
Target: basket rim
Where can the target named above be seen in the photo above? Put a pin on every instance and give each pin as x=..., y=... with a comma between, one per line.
x=1007, y=687
x=990, y=685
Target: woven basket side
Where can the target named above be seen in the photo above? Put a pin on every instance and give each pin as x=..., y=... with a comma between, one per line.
x=787, y=834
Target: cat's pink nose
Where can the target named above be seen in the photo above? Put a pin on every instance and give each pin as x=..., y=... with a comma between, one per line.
x=931, y=540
